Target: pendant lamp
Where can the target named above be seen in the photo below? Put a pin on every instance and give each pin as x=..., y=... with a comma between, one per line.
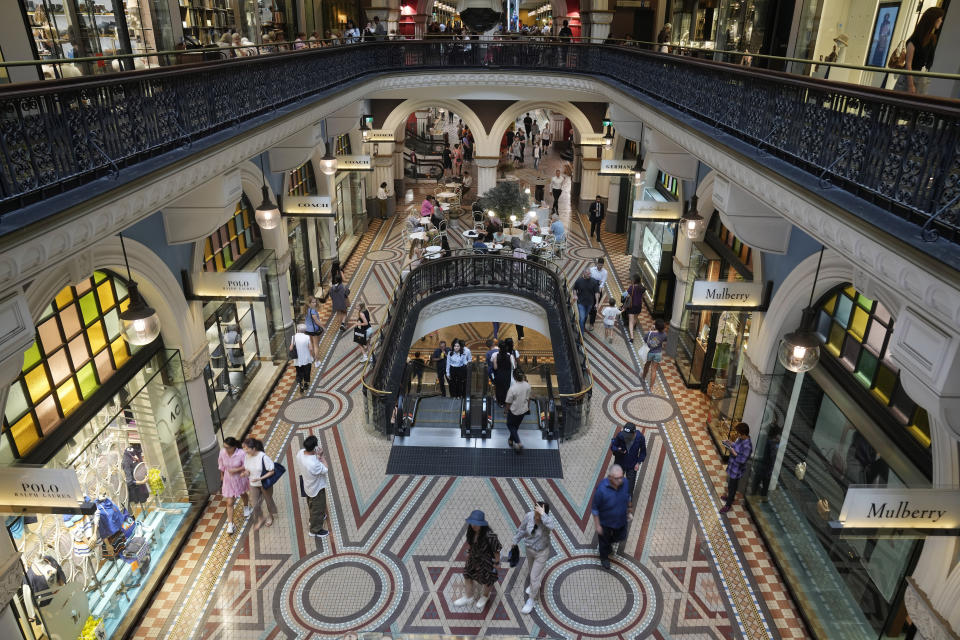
x=267, y=214
x=608, y=137
x=800, y=350
x=638, y=170
x=328, y=163
x=141, y=324
x=691, y=220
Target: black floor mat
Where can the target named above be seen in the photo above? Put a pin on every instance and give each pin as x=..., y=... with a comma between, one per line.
x=487, y=463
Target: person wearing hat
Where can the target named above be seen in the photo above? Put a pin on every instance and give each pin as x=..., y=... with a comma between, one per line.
x=629, y=449
x=483, y=556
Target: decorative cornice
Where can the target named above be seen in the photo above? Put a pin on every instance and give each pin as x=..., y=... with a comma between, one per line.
x=930, y=624
x=759, y=381
x=498, y=300
x=11, y=579
x=193, y=366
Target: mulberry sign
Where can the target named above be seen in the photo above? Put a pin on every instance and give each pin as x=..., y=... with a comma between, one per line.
x=39, y=490
x=897, y=507
x=707, y=293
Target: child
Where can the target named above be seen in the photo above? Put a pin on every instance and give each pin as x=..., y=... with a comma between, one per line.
x=610, y=314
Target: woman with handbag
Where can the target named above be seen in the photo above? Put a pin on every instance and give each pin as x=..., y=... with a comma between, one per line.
x=633, y=304
x=919, y=51
x=262, y=473
x=534, y=532
x=362, y=330
x=483, y=556
x=313, y=325
x=654, y=341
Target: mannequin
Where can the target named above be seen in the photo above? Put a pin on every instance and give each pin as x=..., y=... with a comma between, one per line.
x=137, y=492
x=41, y=581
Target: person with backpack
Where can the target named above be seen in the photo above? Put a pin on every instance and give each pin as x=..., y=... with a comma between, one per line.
x=629, y=449
x=313, y=325
x=517, y=406
x=633, y=304
x=655, y=341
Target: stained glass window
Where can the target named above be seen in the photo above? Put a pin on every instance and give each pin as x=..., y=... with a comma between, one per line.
x=239, y=235
x=856, y=331
x=78, y=346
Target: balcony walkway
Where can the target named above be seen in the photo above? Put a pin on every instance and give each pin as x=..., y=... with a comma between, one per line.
x=394, y=558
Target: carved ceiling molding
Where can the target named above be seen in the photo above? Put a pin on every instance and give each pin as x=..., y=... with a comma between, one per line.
x=930, y=625
x=497, y=300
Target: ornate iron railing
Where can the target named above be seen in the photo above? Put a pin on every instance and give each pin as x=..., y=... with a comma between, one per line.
x=897, y=151
x=540, y=282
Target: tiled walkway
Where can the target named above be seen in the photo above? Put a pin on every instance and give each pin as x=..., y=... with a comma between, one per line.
x=394, y=557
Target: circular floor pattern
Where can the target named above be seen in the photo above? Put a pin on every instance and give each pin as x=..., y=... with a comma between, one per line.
x=581, y=596
x=343, y=593
x=383, y=255
x=585, y=253
x=642, y=407
x=323, y=409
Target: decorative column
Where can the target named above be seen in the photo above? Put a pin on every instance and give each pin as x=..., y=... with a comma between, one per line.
x=420, y=25
x=486, y=173
x=599, y=18
x=589, y=181
x=423, y=122
x=283, y=315
x=556, y=128
x=193, y=367
x=399, y=170
x=18, y=334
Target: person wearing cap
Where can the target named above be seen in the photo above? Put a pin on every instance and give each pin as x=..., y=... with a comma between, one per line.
x=611, y=512
x=629, y=449
x=483, y=556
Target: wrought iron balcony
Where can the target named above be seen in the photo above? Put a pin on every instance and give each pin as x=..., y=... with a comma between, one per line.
x=898, y=152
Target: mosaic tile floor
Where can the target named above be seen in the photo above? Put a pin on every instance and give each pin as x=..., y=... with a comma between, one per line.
x=393, y=562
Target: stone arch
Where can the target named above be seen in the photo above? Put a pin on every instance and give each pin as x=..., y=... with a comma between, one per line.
x=397, y=119
x=181, y=328
x=707, y=207
x=581, y=124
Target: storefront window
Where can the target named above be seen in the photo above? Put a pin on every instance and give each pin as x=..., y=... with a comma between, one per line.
x=657, y=246
x=726, y=25
x=138, y=458
x=350, y=216
x=302, y=182
x=206, y=20
x=668, y=185
x=229, y=243
x=78, y=346
x=234, y=355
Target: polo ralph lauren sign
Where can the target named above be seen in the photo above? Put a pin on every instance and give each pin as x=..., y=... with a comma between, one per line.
x=897, y=507
x=228, y=284
x=39, y=490
x=307, y=205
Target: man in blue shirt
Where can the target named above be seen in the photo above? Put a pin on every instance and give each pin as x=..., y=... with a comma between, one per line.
x=611, y=511
x=557, y=228
x=493, y=349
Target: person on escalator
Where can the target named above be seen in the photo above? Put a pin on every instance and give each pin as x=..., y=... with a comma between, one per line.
x=439, y=360
x=503, y=365
x=518, y=405
x=457, y=361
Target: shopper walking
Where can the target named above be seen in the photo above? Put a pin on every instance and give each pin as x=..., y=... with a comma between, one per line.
x=598, y=211
x=556, y=187
x=457, y=361
x=447, y=158
x=518, y=405
x=313, y=484
x=655, y=340
x=338, y=301
x=362, y=330
x=302, y=348
x=598, y=273
x=633, y=304
x=740, y=449
x=534, y=532
x=629, y=449
x=257, y=467
x=527, y=124
x=483, y=556
x=503, y=366
x=610, y=314
x=586, y=293
x=611, y=512
x=312, y=325
x=920, y=48
x=233, y=484
x=439, y=360
x=537, y=151
x=382, y=196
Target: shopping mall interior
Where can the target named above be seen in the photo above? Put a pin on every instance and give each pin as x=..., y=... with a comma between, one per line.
x=535, y=319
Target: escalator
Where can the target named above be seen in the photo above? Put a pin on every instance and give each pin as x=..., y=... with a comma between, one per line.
x=423, y=145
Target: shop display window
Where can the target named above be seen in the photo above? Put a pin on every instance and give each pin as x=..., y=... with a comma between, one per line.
x=856, y=331
x=78, y=346
x=206, y=20
x=301, y=182
x=137, y=457
x=668, y=185
x=234, y=355
x=225, y=246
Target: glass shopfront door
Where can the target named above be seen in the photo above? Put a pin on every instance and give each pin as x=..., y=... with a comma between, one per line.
x=234, y=355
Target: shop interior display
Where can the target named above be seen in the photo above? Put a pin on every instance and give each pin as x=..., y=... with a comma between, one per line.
x=234, y=355
x=206, y=20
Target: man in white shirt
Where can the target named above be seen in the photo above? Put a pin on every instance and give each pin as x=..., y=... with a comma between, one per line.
x=556, y=186
x=382, y=200
x=313, y=484
x=598, y=273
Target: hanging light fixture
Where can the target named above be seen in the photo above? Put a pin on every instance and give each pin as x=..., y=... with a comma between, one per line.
x=608, y=137
x=364, y=129
x=638, y=170
x=267, y=213
x=141, y=324
x=328, y=163
x=800, y=350
x=691, y=220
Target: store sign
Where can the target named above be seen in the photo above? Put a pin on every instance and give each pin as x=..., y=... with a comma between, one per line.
x=378, y=135
x=354, y=163
x=591, y=140
x=229, y=284
x=38, y=489
x=652, y=249
x=896, y=507
x=307, y=205
x=707, y=293
x=616, y=168
x=654, y=210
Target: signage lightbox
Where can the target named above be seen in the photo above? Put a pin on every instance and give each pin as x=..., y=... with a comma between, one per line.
x=899, y=507
x=655, y=210
x=378, y=135
x=616, y=168
x=707, y=293
x=307, y=205
x=354, y=163
x=229, y=284
x=39, y=490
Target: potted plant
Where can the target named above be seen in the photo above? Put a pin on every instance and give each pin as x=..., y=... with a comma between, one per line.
x=507, y=199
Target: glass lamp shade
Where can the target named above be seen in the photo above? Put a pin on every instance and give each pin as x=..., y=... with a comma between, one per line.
x=513, y=218
x=267, y=214
x=692, y=226
x=799, y=351
x=328, y=163
x=141, y=324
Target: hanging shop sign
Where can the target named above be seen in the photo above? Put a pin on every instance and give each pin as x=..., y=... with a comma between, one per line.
x=378, y=135
x=354, y=163
x=591, y=140
x=39, y=490
x=655, y=210
x=307, y=205
x=228, y=284
x=727, y=295
x=900, y=508
x=616, y=168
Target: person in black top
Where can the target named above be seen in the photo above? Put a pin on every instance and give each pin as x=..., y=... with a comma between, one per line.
x=439, y=360
x=587, y=293
x=510, y=136
x=416, y=371
x=447, y=160
x=528, y=124
x=920, y=48
x=597, y=212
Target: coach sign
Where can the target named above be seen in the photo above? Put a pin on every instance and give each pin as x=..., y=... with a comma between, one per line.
x=307, y=205
x=354, y=163
x=40, y=490
x=901, y=508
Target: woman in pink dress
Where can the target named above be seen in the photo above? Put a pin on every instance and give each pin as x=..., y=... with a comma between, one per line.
x=232, y=483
